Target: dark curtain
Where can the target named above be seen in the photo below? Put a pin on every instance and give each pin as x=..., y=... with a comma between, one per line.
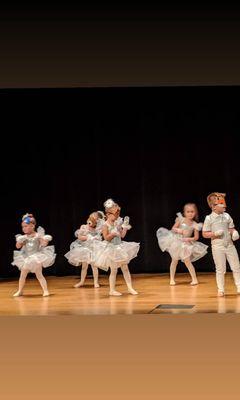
x=65, y=151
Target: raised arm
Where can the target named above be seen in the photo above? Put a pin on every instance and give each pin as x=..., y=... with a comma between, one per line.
x=123, y=232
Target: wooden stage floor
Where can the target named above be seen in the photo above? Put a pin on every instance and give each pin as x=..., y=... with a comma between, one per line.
x=155, y=296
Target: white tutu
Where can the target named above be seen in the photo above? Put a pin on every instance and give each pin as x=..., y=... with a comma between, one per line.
x=177, y=248
x=83, y=252
x=115, y=255
x=45, y=256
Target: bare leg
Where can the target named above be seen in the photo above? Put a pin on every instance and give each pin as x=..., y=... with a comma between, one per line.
x=173, y=267
x=112, y=283
x=192, y=271
x=83, y=275
x=42, y=281
x=21, y=283
x=128, y=279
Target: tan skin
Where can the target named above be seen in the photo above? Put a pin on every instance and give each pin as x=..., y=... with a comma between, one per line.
x=111, y=218
x=218, y=209
x=29, y=230
x=189, y=215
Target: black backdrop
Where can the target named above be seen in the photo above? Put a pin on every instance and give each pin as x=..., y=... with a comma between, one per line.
x=65, y=151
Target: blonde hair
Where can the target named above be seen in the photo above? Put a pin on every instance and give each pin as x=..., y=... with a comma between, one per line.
x=93, y=217
x=113, y=210
x=111, y=207
x=195, y=208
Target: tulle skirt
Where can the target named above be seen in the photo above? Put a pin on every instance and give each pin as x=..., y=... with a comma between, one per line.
x=115, y=255
x=177, y=248
x=44, y=258
x=83, y=252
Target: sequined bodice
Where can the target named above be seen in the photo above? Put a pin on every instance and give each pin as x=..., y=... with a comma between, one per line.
x=116, y=240
x=187, y=229
x=32, y=245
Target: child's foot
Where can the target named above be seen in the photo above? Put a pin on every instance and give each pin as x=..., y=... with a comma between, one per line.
x=193, y=283
x=132, y=291
x=172, y=283
x=115, y=293
x=96, y=285
x=220, y=293
x=46, y=293
x=18, y=293
x=78, y=285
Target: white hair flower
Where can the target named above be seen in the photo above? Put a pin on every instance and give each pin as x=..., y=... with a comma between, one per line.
x=109, y=203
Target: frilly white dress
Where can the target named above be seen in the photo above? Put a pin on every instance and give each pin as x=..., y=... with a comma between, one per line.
x=173, y=242
x=115, y=253
x=32, y=255
x=84, y=251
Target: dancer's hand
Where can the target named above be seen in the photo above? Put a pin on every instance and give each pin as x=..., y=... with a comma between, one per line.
x=235, y=235
x=187, y=240
x=126, y=224
x=115, y=233
x=219, y=233
x=178, y=230
x=21, y=239
x=43, y=242
x=90, y=237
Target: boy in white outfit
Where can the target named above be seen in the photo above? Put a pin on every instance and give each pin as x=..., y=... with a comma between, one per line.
x=219, y=227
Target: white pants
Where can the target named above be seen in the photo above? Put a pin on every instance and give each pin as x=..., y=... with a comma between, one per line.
x=221, y=254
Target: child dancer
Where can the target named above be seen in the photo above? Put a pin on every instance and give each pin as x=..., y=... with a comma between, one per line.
x=182, y=241
x=116, y=253
x=83, y=250
x=34, y=253
x=219, y=227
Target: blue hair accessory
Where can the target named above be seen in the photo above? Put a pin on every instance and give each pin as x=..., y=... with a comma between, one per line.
x=27, y=220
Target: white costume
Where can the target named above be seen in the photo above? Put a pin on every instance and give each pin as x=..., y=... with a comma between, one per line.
x=32, y=255
x=223, y=248
x=116, y=252
x=83, y=252
x=176, y=247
